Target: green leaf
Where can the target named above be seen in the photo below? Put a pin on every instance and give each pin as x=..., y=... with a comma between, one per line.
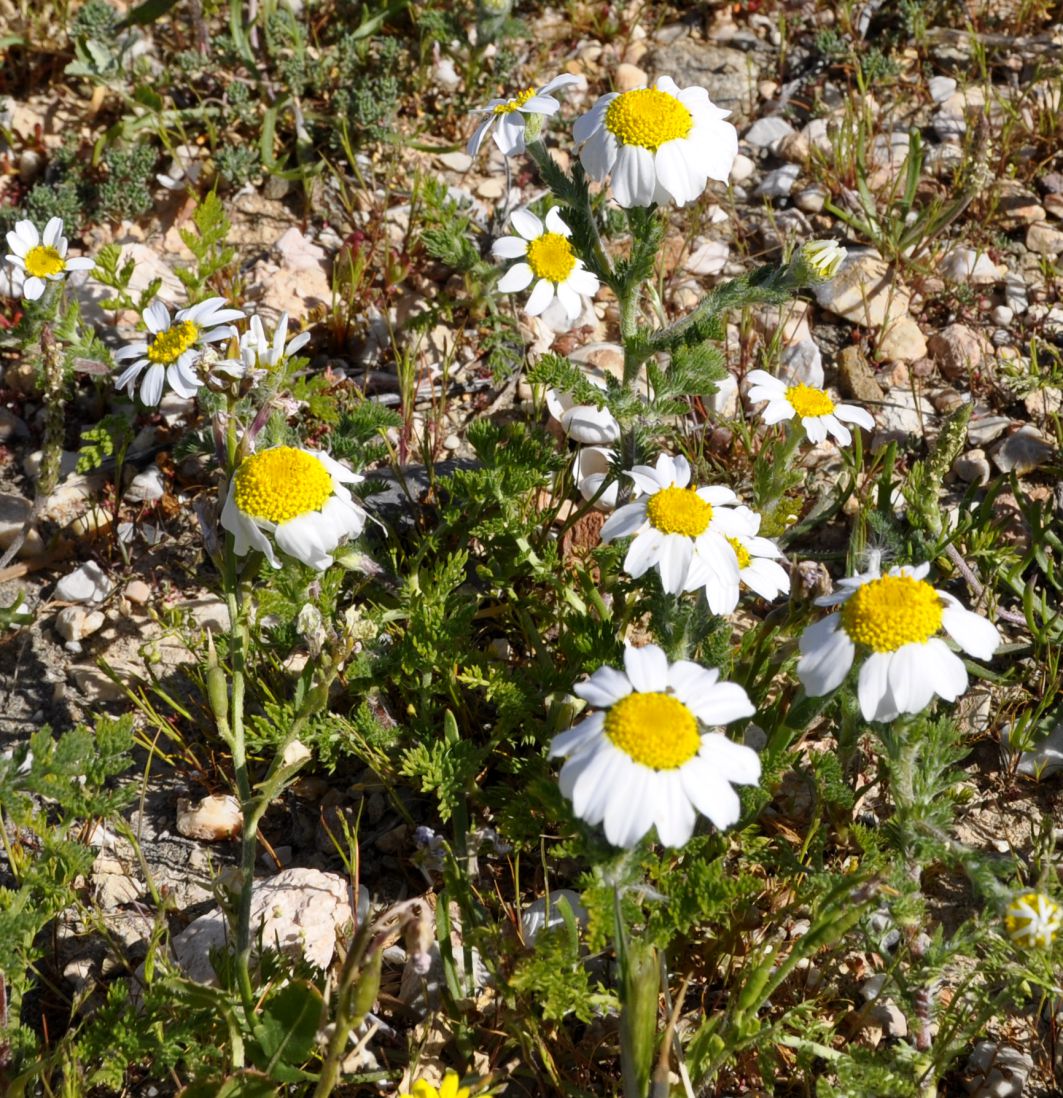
x=288, y=1025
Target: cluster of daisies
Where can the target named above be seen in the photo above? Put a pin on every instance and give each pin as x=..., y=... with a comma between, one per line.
x=284, y=498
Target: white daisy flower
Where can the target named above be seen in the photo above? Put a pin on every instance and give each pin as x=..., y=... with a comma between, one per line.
x=675, y=524
x=259, y=352
x=646, y=760
x=508, y=117
x=172, y=348
x=584, y=423
x=818, y=413
x=548, y=260
x=299, y=497
x=758, y=568
x=660, y=144
x=42, y=256
x=1033, y=919
x=823, y=258
x=897, y=617
x=591, y=467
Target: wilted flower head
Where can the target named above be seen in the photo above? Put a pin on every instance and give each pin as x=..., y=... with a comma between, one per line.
x=822, y=258
x=1033, y=919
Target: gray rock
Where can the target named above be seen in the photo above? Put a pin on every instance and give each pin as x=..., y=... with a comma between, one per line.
x=1002, y=315
x=729, y=75
x=898, y=417
x=768, y=133
x=810, y=200
x=88, y=583
x=948, y=126
x=74, y=623
x=1022, y=452
x=888, y=1017
x=983, y=430
x=957, y=350
x=970, y=265
x=941, y=87
x=146, y=487
x=997, y=1071
x=863, y=291
x=1045, y=758
x=1015, y=293
x=802, y=363
x=972, y=467
x=742, y=169
x=1044, y=239
x=903, y=341
x=11, y=426
x=779, y=182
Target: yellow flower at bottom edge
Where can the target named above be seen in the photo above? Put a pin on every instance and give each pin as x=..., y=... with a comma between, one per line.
x=449, y=1088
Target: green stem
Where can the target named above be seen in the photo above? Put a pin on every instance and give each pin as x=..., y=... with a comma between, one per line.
x=781, y=458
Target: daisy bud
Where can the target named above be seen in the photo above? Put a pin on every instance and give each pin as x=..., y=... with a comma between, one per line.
x=311, y=628
x=817, y=261
x=1033, y=919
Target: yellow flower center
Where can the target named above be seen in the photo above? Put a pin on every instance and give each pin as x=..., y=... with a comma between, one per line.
x=281, y=484
x=655, y=730
x=890, y=612
x=43, y=261
x=807, y=401
x=1033, y=918
x=550, y=256
x=679, y=511
x=647, y=117
x=168, y=346
x=515, y=103
x=741, y=552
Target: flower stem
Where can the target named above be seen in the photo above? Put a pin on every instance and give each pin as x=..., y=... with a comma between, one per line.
x=780, y=464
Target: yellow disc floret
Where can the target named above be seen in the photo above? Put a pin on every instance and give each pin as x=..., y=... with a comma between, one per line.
x=43, y=260
x=550, y=256
x=675, y=510
x=647, y=117
x=741, y=552
x=807, y=401
x=168, y=346
x=1033, y=919
x=655, y=730
x=281, y=484
x=515, y=103
x=892, y=611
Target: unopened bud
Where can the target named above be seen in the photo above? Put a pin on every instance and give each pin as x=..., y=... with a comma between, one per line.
x=822, y=258
x=367, y=988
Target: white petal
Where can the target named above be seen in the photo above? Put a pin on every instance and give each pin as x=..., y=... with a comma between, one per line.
x=628, y=815
x=151, y=386
x=718, y=144
x=80, y=263
x=678, y=173
x=734, y=762
x=675, y=814
x=826, y=656
x=711, y=795
x=634, y=178
x=599, y=154
x=647, y=668
x=565, y=80
x=688, y=679
x=157, y=317
x=583, y=282
x=628, y=519
x=509, y=134
x=950, y=676
x=974, y=634
x=183, y=382
x=911, y=678
x=852, y=414
x=52, y=231
x=555, y=224
x=767, y=578
x=673, y=564
x=33, y=288
x=815, y=428
x=777, y=411
x=761, y=378
x=722, y=703
x=604, y=688
x=592, y=120
x=570, y=300
x=540, y=297
x=509, y=247
x=526, y=223
x=517, y=278
x=568, y=743
x=873, y=688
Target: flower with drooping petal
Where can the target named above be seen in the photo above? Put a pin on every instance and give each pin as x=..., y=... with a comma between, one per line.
x=896, y=619
x=586, y=423
x=646, y=759
x=260, y=352
x=758, y=568
x=818, y=413
x=674, y=524
x=547, y=259
x=660, y=144
x=42, y=256
x=1033, y=919
x=173, y=347
x=823, y=258
x=297, y=496
x=507, y=118
x=449, y=1088
x=591, y=468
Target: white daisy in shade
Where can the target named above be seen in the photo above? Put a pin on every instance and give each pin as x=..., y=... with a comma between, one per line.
x=674, y=524
x=896, y=618
x=298, y=497
x=584, y=423
x=646, y=760
x=42, y=256
x=591, y=468
x=818, y=413
x=661, y=144
x=547, y=259
x=1033, y=919
x=507, y=118
x=173, y=346
x=758, y=568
